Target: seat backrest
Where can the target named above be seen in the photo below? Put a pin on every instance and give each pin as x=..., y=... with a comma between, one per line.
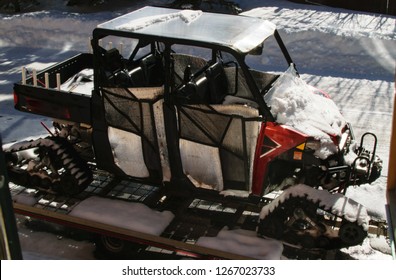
x=113, y=60
x=217, y=82
x=181, y=62
x=153, y=70
x=138, y=79
x=202, y=90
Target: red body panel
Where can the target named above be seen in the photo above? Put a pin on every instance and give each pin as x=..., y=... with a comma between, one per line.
x=274, y=139
x=42, y=107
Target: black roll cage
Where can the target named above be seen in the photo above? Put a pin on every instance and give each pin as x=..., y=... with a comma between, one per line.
x=144, y=40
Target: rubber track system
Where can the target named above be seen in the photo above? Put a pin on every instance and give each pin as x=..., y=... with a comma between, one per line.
x=54, y=167
x=314, y=219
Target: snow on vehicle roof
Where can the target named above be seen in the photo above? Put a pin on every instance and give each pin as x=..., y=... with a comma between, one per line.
x=238, y=32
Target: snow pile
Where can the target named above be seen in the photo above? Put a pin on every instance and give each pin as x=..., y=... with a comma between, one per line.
x=380, y=243
x=369, y=250
x=238, y=193
x=372, y=197
x=25, y=198
x=82, y=82
x=123, y=214
x=187, y=16
x=244, y=243
x=294, y=103
x=336, y=204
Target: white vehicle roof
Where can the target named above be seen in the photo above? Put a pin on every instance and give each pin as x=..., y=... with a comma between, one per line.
x=240, y=33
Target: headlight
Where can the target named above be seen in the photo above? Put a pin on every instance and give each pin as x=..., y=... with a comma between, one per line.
x=345, y=141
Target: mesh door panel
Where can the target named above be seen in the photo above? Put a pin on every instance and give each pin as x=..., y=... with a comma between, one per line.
x=131, y=109
x=207, y=125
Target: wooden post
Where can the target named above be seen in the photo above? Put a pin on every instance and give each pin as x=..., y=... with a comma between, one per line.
x=391, y=183
x=392, y=153
x=121, y=48
x=58, y=81
x=34, y=73
x=23, y=76
x=46, y=80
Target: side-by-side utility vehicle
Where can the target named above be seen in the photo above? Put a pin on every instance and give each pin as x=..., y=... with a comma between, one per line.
x=199, y=104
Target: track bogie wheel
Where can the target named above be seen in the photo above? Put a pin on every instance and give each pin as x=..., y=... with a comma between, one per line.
x=352, y=234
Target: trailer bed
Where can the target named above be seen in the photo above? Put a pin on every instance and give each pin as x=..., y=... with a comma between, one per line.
x=192, y=219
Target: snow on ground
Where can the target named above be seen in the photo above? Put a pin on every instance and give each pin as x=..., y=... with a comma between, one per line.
x=348, y=54
x=294, y=18
x=333, y=42
x=39, y=245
